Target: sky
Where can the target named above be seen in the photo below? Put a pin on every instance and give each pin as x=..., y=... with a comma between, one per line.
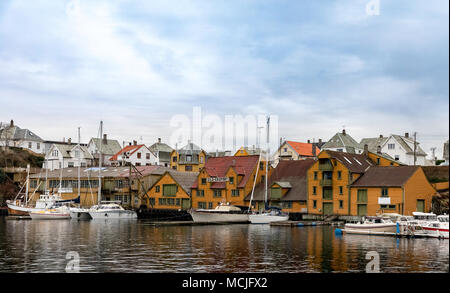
x=318, y=66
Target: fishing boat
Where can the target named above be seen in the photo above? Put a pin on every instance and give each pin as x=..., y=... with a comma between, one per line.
x=371, y=225
x=58, y=213
x=269, y=215
x=439, y=228
x=223, y=213
x=111, y=210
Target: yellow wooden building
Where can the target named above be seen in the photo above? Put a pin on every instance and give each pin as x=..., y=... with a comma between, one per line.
x=190, y=158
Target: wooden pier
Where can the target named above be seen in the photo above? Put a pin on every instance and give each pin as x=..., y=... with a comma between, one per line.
x=305, y=223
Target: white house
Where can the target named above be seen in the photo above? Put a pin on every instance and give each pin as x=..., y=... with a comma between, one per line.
x=134, y=154
x=108, y=148
x=67, y=155
x=14, y=136
x=343, y=142
x=399, y=148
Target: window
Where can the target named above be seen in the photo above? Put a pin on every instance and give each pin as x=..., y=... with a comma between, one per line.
x=210, y=205
x=38, y=145
x=287, y=205
x=138, y=164
x=378, y=161
x=339, y=175
x=275, y=193
x=201, y=159
x=235, y=192
x=70, y=164
x=169, y=189
x=285, y=149
x=203, y=181
x=231, y=179
x=339, y=150
x=202, y=205
x=388, y=206
x=188, y=158
x=83, y=165
x=315, y=175
x=397, y=157
x=384, y=192
x=177, y=202
x=30, y=145
x=362, y=196
x=341, y=204
x=60, y=164
x=391, y=146
x=174, y=159
x=55, y=153
x=341, y=190
x=147, y=156
x=188, y=168
x=138, y=155
x=263, y=178
x=200, y=193
x=261, y=165
x=157, y=189
x=314, y=190
x=217, y=193
x=314, y=204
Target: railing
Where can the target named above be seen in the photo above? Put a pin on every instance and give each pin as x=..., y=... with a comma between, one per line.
x=326, y=182
x=325, y=167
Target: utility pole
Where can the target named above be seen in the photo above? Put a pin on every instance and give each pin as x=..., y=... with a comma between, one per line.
x=415, y=147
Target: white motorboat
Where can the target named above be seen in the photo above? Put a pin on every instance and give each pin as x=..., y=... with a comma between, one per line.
x=223, y=213
x=371, y=225
x=437, y=228
x=111, y=210
x=59, y=213
x=424, y=218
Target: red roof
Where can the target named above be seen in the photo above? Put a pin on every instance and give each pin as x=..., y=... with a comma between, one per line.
x=129, y=148
x=219, y=166
x=303, y=149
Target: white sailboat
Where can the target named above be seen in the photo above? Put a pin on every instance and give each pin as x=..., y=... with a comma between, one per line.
x=223, y=213
x=108, y=209
x=268, y=215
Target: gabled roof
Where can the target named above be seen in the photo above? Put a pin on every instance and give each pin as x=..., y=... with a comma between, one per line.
x=184, y=179
x=66, y=149
x=131, y=149
x=403, y=141
x=373, y=143
x=160, y=147
x=111, y=146
x=17, y=133
x=303, y=149
x=219, y=166
x=357, y=163
x=342, y=140
x=389, y=176
x=287, y=174
x=190, y=149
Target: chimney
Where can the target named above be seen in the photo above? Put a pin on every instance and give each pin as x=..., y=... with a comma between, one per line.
x=309, y=141
x=406, y=134
x=12, y=123
x=381, y=136
x=379, y=149
x=159, y=140
x=366, y=150
x=64, y=139
x=134, y=142
x=105, y=140
x=233, y=163
x=320, y=140
x=343, y=131
x=69, y=141
x=313, y=150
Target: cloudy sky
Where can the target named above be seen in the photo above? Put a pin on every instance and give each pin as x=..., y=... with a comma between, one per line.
x=317, y=65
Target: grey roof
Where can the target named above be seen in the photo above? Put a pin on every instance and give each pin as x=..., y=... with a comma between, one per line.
x=66, y=149
x=17, y=133
x=184, y=179
x=373, y=143
x=403, y=142
x=446, y=150
x=283, y=184
x=189, y=149
x=111, y=147
x=344, y=141
x=160, y=147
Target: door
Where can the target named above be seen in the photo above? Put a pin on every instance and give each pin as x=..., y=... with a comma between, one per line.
x=362, y=210
x=327, y=208
x=185, y=204
x=420, y=205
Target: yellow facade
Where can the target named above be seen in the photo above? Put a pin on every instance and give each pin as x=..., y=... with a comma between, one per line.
x=186, y=167
x=161, y=196
x=381, y=161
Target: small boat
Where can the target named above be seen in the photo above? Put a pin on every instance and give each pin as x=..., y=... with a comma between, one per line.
x=370, y=225
x=223, y=213
x=438, y=228
x=111, y=210
x=424, y=218
x=59, y=213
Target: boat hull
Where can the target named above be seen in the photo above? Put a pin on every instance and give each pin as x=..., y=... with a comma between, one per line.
x=266, y=218
x=52, y=216
x=17, y=210
x=120, y=214
x=367, y=228
x=436, y=232
x=218, y=217
x=80, y=215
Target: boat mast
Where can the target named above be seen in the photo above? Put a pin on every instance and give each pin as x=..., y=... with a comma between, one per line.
x=28, y=183
x=267, y=159
x=257, y=168
x=79, y=164
x=99, y=194
x=46, y=176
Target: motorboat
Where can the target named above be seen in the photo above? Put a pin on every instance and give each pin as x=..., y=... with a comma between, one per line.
x=79, y=213
x=58, y=213
x=111, y=210
x=223, y=213
x=424, y=218
x=371, y=225
x=437, y=228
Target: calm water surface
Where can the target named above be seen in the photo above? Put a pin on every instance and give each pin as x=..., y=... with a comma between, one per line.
x=138, y=246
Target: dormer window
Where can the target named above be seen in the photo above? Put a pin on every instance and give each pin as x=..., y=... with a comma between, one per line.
x=188, y=158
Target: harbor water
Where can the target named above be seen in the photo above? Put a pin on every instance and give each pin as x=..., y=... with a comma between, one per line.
x=139, y=246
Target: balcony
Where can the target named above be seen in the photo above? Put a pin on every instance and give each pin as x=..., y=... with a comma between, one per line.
x=326, y=182
x=326, y=167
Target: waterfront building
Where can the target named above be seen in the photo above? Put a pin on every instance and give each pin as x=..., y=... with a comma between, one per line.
x=391, y=189
x=343, y=142
x=134, y=154
x=287, y=188
x=293, y=150
x=190, y=158
x=162, y=152
x=400, y=148
x=14, y=136
x=226, y=180
x=107, y=147
x=172, y=191
x=67, y=155
x=125, y=184
x=246, y=151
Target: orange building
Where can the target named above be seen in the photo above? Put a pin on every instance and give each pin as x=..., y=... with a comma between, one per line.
x=190, y=158
x=226, y=179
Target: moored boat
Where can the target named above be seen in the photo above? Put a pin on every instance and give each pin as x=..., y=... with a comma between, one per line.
x=223, y=213
x=59, y=213
x=111, y=210
x=437, y=228
x=371, y=225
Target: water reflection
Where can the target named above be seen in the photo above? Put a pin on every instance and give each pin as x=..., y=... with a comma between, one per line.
x=137, y=246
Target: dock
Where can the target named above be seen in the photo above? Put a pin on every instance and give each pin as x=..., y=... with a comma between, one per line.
x=391, y=234
x=305, y=223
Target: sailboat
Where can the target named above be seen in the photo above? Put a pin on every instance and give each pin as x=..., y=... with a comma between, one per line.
x=108, y=209
x=273, y=214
